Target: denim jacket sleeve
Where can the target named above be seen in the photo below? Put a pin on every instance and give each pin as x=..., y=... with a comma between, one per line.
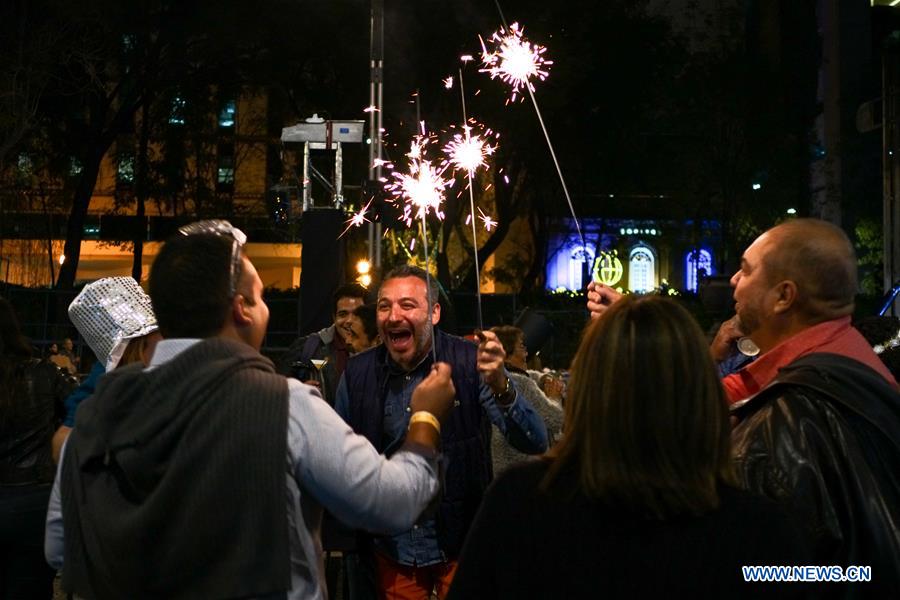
x=519, y=423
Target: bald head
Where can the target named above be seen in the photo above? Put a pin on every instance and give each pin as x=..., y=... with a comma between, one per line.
x=820, y=259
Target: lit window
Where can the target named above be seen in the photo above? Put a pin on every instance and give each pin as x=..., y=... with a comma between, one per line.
x=176, y=116
x=697, y=265
x=641, y=270
x=125, y=168
x=567, y=268
x=25, y=166
x=226, y=115
x=225, y=169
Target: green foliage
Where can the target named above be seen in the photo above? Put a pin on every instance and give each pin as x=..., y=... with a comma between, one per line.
x=869, y=246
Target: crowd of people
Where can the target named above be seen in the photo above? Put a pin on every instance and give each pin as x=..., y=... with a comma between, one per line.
x=385, y=458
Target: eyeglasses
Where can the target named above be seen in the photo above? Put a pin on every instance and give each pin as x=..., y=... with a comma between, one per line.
x=222, y=228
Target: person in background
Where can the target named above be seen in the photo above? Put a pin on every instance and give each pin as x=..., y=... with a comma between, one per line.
x=513, y=341
x=115, y=317
x=328, y=345
x=639, y=498
x=68, y=349
x=60, y=360
x=553, y=386
x=363, y=329
x=31, y=396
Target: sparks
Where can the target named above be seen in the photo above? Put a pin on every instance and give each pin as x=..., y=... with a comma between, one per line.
x=514, y=59
x=370, y=109
x=422, y=189
x=489, y=223
x=467, y=152
x=448, y=82
x=357, y=219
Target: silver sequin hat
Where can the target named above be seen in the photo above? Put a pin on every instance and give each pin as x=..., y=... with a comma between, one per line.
x=110, y=312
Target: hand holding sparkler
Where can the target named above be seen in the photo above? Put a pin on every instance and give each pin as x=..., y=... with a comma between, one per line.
x=489, y=361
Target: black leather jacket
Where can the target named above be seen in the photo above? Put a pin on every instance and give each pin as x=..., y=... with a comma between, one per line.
x=27, y=426
x=824, y=440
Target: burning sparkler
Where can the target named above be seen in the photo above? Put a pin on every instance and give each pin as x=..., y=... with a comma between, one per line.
x=517, y=61
x=467, y=152
x=421, y=189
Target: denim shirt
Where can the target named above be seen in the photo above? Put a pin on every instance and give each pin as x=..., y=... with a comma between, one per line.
x=518, y=422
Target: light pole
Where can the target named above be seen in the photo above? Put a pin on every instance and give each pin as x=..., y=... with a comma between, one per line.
x=376, y=104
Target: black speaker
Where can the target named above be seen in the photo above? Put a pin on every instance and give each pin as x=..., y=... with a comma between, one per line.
x=322, y=266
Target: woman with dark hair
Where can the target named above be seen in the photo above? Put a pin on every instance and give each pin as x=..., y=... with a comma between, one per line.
x=31, y=396
x=513, y=341
x=638, y=497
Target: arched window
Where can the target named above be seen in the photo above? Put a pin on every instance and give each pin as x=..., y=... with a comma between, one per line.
x=641, y=270
x=697, y=264
x=566, y=267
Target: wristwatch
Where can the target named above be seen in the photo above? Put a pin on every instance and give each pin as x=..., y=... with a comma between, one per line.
x=502, y=398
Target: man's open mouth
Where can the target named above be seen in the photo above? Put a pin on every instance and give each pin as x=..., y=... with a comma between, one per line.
x=400, y=339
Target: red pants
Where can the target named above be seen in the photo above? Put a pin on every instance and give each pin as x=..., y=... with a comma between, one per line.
x=401, y=582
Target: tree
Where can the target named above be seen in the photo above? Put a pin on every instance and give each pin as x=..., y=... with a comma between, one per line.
x=140, y=55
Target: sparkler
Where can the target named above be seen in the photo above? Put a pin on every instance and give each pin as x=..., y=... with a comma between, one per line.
x=467, y=153
x=517, y=61
x=421, y=190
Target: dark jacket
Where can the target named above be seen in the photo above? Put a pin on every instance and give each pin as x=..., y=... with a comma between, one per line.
x=824, y=440
x=173, y=480
x=27, y=425
x=321, y=345
x=465, y=436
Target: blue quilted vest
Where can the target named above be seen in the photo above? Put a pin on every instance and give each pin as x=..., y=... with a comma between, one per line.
x=465, y=436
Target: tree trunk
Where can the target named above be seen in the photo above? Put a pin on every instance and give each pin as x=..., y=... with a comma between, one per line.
x=75, y=225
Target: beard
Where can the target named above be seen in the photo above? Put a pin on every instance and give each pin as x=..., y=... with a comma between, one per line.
x=749, y=320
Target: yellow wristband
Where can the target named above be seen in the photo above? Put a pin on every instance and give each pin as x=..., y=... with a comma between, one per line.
x=423, y=416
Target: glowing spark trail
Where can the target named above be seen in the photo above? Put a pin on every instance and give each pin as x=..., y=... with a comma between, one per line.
x=448, y=82
x=357, y=219
x=515, y=60
x=489, y=223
